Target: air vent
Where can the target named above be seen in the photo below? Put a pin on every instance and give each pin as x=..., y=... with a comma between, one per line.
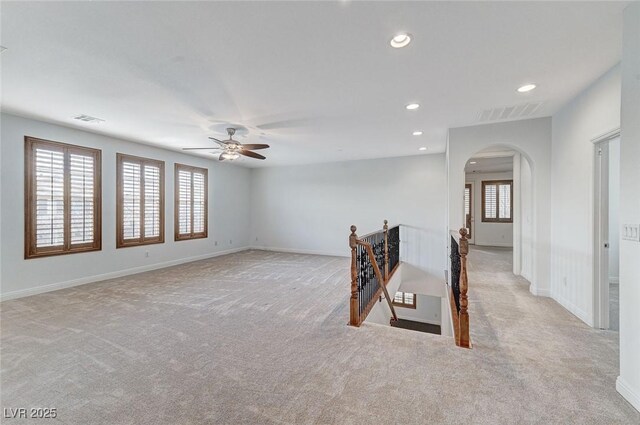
x=509, y=112
x=89, y=119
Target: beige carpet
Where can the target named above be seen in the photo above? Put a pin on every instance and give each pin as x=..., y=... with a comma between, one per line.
x=261, y=338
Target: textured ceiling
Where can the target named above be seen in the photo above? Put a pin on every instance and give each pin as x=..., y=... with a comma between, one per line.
x=316, y=80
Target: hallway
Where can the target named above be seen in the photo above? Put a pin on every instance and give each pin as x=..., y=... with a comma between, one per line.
x=541, y=345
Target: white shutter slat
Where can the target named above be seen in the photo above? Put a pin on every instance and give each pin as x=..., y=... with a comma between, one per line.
x=81, y=174
x=490, y=200
x=131, y=200
x=151, y=201
x=505, y=201
x=184, y=199
x=198, y=203
x=49, y=194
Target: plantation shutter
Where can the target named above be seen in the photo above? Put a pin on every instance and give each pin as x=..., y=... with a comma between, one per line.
x=490, y=197
x=505, y=201
x=63, y=201
x=152, y=201
x=49, y=181
x=496, y=201
x=191, y=202
x=198, y=203
x=140, y=201
x=132, y=201
x=185, y=202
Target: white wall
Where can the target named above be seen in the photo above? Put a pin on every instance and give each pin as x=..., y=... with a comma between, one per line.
x=228, y=214
x=614, y=210
x=309, y=208
x=593, y=112
x=485, y=233
x=427, y=310
x=628, y=383
x=526, y=220
x=532, y=138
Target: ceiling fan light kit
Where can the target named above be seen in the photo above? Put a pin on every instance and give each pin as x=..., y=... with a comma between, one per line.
x=232, y=149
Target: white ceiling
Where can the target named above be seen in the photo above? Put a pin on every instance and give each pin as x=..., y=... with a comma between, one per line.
x=319, y=79
x=490, y=164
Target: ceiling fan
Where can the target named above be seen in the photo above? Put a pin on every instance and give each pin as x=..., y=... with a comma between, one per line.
x=232, y=149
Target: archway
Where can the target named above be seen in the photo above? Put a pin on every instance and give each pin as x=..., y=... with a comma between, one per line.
x=498, y=203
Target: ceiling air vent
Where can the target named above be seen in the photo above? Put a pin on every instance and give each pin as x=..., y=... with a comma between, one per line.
x=509, y=112
x=89, y=119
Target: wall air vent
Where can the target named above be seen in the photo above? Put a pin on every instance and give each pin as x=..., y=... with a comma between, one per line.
x=89, y=119
x=509, y=112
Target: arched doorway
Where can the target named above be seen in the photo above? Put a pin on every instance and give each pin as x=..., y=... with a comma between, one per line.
x=498, y=203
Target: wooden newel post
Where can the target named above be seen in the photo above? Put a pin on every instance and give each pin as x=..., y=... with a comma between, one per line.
x=386, y=250
x=354, y=319
x=464, y=286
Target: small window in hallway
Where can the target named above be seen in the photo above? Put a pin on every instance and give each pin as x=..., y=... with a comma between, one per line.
x=496, y=201
x=404, y=299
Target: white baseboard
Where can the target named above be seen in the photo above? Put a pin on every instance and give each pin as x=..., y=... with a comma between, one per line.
x=539, y=292
x=495, y=245
x=300, y=251
x=632, y=396
x=111, y=275
x=573, y=309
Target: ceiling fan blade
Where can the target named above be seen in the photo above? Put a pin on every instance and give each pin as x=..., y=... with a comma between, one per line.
x=254, y=147
x=251, y=154
x=220, y=142
x=194, y=149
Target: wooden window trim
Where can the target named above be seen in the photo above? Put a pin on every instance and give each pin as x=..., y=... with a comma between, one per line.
x=121, y=242
x=176, y=202
x=497, y=219
x=30, y=246
x=403, y=304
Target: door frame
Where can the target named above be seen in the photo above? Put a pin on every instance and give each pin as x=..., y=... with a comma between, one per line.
x=601, y=228
x=472, y=199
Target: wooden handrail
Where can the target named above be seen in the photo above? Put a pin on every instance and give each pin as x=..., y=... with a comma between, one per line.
x=358, y=311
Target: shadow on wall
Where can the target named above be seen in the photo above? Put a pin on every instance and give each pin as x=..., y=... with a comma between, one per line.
x=418, y=248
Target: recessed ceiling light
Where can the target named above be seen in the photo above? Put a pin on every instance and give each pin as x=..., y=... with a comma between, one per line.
x=526, y=88
x=473, y=162
x=400, y=40
x=412, y=106
x=417, y=133
x=422, y=149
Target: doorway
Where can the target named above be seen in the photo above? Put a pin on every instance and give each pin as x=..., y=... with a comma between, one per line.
x=468, y=210
x=606, y=230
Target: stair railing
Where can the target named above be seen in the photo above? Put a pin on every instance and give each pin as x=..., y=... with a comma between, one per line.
x=374, y=259
x=458, y=287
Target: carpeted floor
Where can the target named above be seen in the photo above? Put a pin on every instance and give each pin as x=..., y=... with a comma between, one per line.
x=261, y=338
x=614, y=307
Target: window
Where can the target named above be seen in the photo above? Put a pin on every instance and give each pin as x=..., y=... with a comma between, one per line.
x=139, y=201
x=405, y=299
x=468, y=206
x=190, y=202
x=496, y=201
x=62, y=198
